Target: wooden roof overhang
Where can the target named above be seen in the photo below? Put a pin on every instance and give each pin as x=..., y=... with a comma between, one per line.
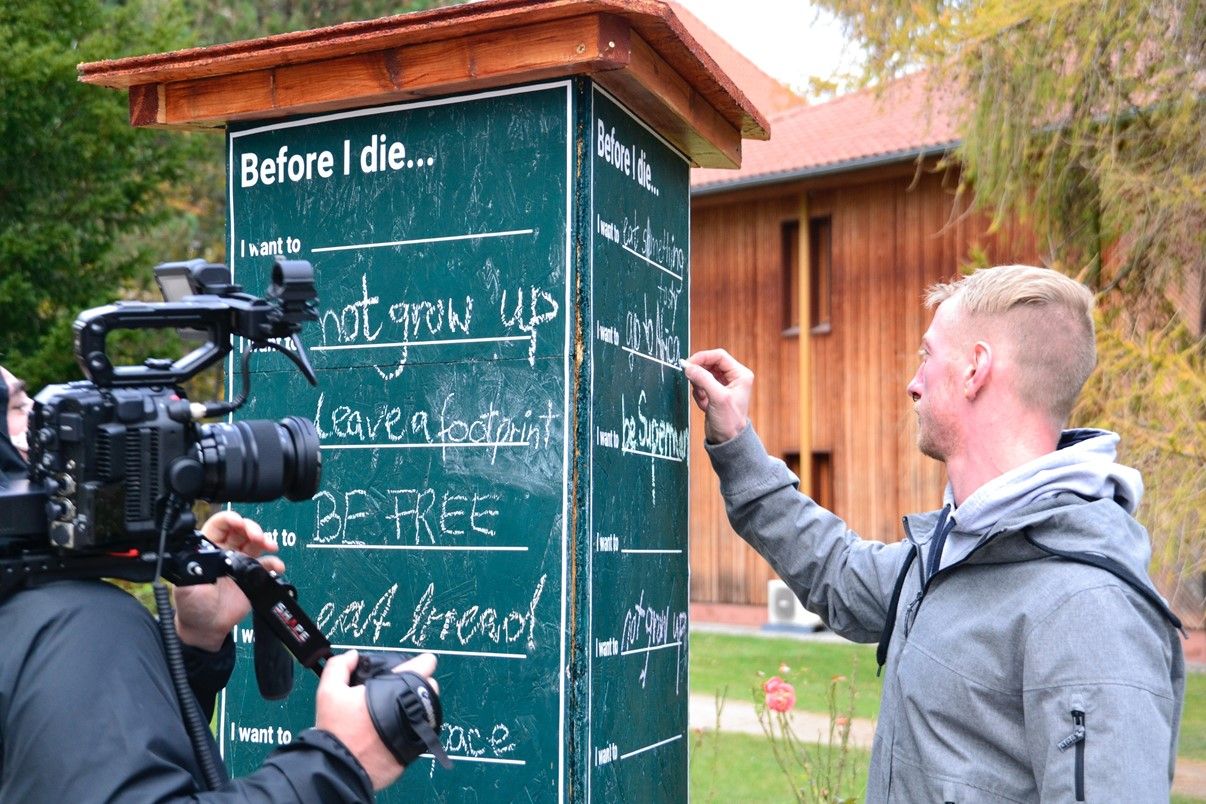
x=636, y=49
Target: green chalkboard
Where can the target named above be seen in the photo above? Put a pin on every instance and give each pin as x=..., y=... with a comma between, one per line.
x=503, y=288
x=639, y=289
x=439, y=235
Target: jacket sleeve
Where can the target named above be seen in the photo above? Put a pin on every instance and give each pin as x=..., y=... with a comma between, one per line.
x=845, y=580
x=86, y=659
x=208, y=673
x=1101, y=712
x=315, y=768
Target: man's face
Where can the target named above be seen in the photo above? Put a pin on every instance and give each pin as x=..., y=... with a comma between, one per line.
x=935, y=387
x=19, y=407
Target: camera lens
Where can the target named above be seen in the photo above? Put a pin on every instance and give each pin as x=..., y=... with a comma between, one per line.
x=257, y=460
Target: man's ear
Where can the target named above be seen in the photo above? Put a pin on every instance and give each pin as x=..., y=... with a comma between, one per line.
x=975, y=374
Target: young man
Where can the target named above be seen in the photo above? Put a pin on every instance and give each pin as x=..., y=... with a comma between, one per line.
x=1028, y=656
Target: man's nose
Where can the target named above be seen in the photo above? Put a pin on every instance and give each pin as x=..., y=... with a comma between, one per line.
x=913, y=389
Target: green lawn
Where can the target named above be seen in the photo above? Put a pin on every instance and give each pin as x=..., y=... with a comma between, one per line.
x=1193, y=718
x=730, y=767
x=720, y=661
x=737, y=664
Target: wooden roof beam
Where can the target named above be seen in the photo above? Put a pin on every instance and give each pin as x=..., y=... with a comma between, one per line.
x=583, y=44
x=636, y=49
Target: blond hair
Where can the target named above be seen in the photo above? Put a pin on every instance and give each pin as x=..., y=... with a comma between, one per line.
x=1045, y=316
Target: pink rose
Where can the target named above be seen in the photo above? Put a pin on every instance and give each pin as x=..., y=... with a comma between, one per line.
x=780, y=695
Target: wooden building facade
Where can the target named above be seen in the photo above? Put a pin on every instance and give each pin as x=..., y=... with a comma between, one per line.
x=809, y=265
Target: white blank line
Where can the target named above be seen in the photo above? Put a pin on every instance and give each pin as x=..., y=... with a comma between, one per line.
x=629, y=451
x=408, y=344
x=674, y=366
x=646, y=259
x=468, y=548
x=651, y=551
x=418, y=240
x=376, y=648
x=650, y=649
x=650, y=747
x=456, y=758
x=438, y=445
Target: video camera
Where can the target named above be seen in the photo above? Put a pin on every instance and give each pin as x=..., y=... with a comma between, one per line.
x=116, y=462
x=107, y=453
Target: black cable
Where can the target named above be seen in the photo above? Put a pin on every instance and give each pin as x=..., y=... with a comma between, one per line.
x=194, y=722
x=214, y=409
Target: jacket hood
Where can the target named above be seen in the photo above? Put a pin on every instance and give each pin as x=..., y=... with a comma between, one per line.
x=1083, y=463
x=10, y=459
x=1080, y=482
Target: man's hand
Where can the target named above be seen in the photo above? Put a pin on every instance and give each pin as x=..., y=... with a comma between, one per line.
x=205, y=613
x=343, y=711
x=721, y=388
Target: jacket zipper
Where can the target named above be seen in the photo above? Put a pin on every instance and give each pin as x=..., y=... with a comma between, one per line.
x=915, y=604
x=911, y=609
x=1077, y=738
x=924, y=583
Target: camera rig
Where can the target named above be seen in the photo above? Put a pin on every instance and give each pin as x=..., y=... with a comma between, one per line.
x=116, y=461
x=107, y=453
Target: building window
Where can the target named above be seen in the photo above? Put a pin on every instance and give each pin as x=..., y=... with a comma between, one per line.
x=821, y=476
x=820, y=274
x=789, y=257
x=822, y=479
x=792, y=459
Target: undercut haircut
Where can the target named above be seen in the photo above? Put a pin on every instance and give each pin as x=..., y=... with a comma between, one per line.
x=1046, y=317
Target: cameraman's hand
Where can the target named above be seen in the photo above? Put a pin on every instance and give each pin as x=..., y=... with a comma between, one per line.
x=721, y=387
x=343, y=711
x=205, y=613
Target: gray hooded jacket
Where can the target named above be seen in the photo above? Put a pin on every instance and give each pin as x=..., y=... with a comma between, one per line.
x=1012, y=674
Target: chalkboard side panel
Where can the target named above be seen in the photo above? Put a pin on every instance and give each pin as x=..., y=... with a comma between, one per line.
x=639, y=444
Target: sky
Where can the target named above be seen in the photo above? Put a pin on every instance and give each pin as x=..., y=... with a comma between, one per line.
x=789, y=39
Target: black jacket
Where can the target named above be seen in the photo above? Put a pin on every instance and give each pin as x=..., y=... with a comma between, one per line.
x=88, y=713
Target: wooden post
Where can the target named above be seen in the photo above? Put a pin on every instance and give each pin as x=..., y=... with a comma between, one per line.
x=805, y=347
x=495, y=200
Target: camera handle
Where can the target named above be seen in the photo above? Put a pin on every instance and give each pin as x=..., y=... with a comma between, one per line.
x=404, y=707
x=281, y=624
x=93, y=326
x=219, y=318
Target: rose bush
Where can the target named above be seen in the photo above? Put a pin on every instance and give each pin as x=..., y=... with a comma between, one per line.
x=825, y=772
x=780, y=695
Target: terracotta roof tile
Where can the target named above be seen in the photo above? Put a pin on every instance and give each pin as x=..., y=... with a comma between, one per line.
x=842, y=133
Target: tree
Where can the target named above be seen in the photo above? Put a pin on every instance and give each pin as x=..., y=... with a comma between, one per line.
x=1087, y=120
x=231, y=20
x=87, y=203
x=75, y=180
